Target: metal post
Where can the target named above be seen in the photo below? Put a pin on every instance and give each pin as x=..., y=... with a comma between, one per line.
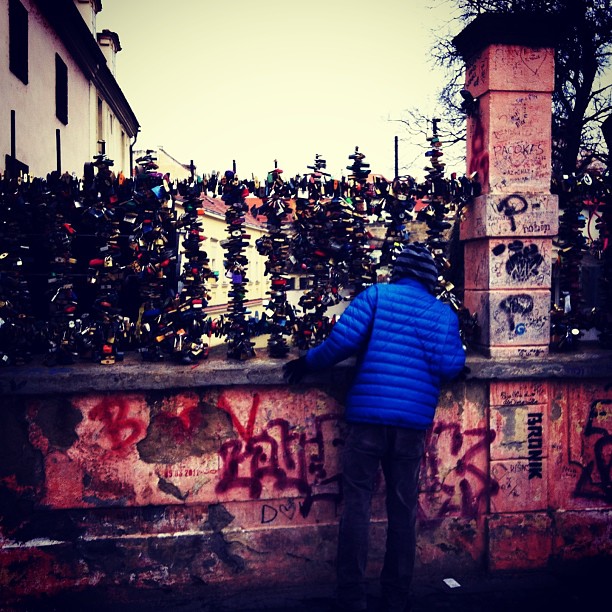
x=13, y=136
x=396, y=157
x=58, y=150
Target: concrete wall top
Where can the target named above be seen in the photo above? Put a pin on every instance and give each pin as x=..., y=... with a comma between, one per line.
x=534, y=30
x=133, y=374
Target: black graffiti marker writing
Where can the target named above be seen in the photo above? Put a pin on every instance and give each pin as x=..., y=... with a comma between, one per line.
x=516, y=304
x=511, y=206
x=524, y=262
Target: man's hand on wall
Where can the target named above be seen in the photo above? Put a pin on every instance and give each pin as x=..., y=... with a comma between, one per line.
x=294, y=370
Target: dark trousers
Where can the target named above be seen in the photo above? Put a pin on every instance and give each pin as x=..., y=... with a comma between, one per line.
x=399, y=451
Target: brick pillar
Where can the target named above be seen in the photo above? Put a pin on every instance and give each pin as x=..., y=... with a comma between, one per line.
x=508, y=229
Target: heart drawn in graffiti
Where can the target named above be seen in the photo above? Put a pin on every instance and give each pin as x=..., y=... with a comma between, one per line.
x=533, y=58
x=288, y=509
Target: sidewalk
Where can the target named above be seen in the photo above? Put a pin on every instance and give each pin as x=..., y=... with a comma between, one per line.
x=582, y=588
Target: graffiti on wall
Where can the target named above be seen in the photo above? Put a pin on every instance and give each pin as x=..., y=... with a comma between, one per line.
x=454, y=477
x=282, y=457
x=281, y=451
x=121, y=429
x=595, y=481
x=270, y=511
x=534, y=444
x=277, y=463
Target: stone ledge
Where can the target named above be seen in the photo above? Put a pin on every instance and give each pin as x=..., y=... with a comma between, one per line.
x=589, y=362
x=133, y=374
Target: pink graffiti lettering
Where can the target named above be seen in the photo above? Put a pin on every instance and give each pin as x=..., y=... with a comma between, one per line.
x=181, y=426
x=479, y=156
x=121, y=429
x=245, y=433
x=465, y=489
x=280, y=456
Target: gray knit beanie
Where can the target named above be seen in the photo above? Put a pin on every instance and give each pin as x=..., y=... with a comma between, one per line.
x=415, y=261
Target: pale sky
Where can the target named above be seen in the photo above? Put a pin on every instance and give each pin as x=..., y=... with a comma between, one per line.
x=259, y=80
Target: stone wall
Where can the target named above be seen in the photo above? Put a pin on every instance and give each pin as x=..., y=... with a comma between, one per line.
x=143, y=474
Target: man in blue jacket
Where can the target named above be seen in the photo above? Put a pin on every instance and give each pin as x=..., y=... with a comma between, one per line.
x=407, y=344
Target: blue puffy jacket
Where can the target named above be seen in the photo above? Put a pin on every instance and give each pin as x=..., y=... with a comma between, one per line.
x=407, y=343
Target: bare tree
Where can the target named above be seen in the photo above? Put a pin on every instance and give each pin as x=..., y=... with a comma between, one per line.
x=581, y=100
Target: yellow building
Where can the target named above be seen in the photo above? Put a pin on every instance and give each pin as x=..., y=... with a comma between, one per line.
x=215, y=229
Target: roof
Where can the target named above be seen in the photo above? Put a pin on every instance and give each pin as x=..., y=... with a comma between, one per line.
x=180, y=163
x=217, y=206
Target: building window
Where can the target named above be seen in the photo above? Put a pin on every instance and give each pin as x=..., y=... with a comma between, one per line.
x=305, y=283
x=61, y=90
x=18, y=40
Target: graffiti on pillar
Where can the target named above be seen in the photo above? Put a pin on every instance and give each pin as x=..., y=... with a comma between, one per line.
x=520, y=161
x=475, y=75
x=524, y=63
x=466, y=487
x=595, y=478
x=519, y=395
x=519, y=154
x=533, y=59
x=281, y=456
x=522, y=214
x=519, y=315
x=517, y=116
x=516, y=305
x=478, y=155
x=120, y=429
x=511, y=206
x=523, y=262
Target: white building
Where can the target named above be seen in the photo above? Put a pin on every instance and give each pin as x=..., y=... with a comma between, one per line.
x=60, y=102
x=167, y=164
